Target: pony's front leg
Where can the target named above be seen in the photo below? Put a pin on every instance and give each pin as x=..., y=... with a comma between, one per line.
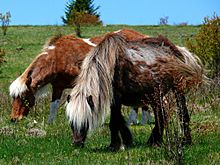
x=184, y=117
x=114, y=126
x=118, y=125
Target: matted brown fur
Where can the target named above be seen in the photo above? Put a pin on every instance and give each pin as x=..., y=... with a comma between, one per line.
x=161, y=41
x=62, y=63
x=52, y=40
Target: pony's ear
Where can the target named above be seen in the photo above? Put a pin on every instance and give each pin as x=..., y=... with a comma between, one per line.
x=90, y=102
x=28, y=81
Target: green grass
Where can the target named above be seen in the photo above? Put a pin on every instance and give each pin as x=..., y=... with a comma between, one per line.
x=57, y=148
x=22, y=44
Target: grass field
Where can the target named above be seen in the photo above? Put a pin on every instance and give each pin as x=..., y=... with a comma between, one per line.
x=19, y=146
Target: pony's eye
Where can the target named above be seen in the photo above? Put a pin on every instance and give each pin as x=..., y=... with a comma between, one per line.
x=68, y=98
x=90, y=102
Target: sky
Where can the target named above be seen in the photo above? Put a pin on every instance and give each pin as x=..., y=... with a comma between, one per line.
x=130, y=12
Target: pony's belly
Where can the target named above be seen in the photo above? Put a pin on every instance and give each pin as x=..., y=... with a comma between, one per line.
x=134, y=100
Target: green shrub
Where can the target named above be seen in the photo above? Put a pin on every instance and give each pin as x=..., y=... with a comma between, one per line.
x=2, y=54
x=206, y=44
x=84, y=19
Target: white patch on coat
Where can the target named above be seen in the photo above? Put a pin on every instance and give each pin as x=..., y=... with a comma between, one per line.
x=43, y=53
x=17, y=87
x=51, y=47
x=118, y=31
x=89, y=42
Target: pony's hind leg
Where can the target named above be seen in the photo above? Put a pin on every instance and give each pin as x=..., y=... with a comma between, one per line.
x=125, y=133
x=156, y=137
x=54, y=105
x=118, y=125
x=184, y=117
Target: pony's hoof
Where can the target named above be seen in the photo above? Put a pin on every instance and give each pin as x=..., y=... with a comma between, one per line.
x=78, y=144
x=129, y=145
x=187, y=141
x=122, y=148
x=115, y=148
x=13, y=120
x=154, y=143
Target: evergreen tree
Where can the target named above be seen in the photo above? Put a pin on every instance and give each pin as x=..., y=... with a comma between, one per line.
x=81, y=12
x=74, y=7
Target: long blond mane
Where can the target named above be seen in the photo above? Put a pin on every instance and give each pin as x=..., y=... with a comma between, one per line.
x=94, y=81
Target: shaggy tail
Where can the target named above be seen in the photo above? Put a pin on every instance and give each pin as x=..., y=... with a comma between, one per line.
x=192, y=71
x=91, y=98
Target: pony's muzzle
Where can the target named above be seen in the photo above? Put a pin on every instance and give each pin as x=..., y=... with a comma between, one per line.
x=78, y=140
x=79, y=137
x=15, y=119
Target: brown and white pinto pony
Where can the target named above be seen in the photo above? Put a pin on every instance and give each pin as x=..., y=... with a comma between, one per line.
x=58, y=64
x=118, y=71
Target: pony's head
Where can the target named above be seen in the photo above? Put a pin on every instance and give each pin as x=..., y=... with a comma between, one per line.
x=92, y=95
x=23, y=99
x=79, y=134
x=21, y=107
x=82, y=121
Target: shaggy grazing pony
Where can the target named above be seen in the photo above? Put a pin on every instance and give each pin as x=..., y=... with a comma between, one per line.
x=58, y=64
x=118, y=71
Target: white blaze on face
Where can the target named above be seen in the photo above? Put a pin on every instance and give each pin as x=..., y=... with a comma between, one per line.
x=17, y=87
x=89, y=42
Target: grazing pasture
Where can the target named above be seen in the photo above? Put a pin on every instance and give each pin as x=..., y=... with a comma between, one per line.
x=34, y=141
